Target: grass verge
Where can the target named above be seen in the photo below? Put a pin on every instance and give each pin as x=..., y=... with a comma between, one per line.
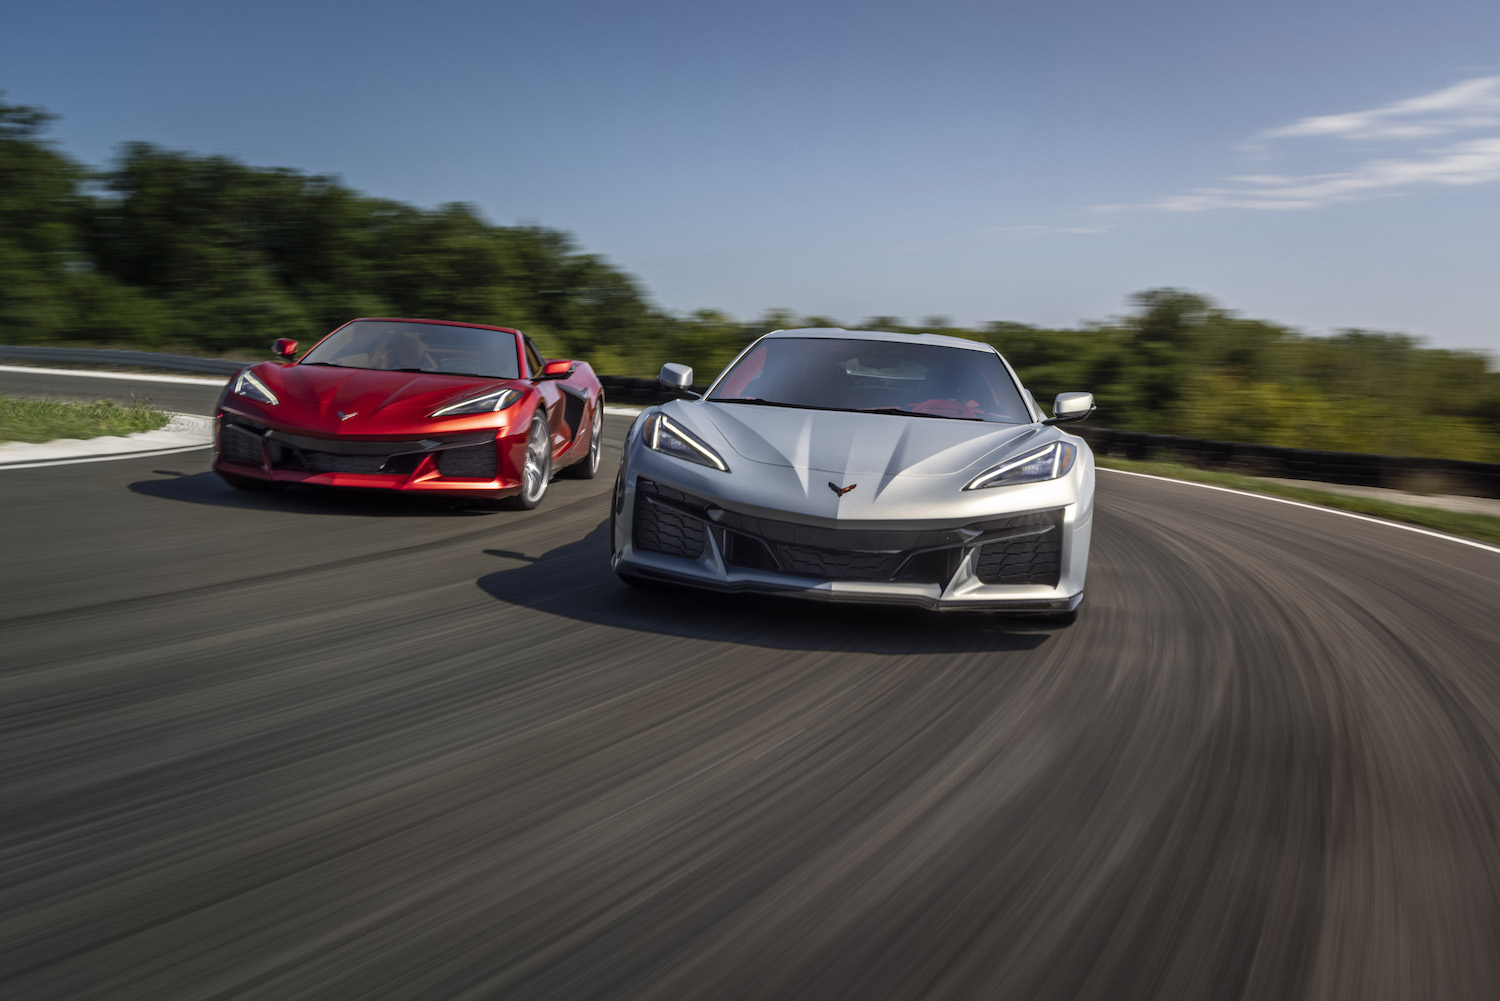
x=45, y=420
x=1472, y=526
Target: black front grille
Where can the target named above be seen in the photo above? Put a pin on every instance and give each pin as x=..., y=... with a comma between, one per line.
x=831, y=564
x=473, y=453
x=662, y=525
x=1024, y=549
x=1031, y=555
x=919, y=556
x=307, y=460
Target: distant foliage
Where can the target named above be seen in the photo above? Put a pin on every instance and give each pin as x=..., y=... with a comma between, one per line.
x=167, y=250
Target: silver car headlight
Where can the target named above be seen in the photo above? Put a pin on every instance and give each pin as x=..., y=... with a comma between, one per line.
x=248, y=386
x=670, y=438
x=1046, y=463
x=488, y=403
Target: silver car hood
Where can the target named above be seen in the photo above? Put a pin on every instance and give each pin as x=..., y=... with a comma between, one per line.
x=907, y=470
x=852, y=444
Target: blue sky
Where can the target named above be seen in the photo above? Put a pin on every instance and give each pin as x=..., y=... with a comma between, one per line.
x=1321, y=164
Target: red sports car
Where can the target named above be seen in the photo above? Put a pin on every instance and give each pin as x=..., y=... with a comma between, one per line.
x=418, y=405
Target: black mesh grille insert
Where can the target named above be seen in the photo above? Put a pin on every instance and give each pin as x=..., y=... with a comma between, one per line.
x=831, y=564
x=285, y=457
x=661, y=526
x=239, y=442
x=1032, y=556
x=476, y=461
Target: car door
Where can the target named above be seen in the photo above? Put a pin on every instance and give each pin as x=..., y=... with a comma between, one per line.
x=551, y=393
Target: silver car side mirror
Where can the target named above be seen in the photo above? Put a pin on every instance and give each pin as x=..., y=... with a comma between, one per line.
x=1071, y=407
x=676, y=378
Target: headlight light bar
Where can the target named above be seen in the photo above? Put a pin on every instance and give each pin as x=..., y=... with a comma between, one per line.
x=1046, y=463
x=669, y=438
x=488, y=403
x=248, y=386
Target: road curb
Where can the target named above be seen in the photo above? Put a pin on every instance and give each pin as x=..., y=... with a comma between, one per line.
x=183, y=433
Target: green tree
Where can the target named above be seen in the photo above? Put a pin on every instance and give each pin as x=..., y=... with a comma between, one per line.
x=39, y=210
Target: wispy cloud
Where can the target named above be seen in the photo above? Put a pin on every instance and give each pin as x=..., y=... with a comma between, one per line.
x=1474, y=162
x=1469, y=105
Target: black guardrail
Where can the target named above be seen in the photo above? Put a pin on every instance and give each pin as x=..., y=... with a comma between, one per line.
x=122, y=359
x=1480, y=479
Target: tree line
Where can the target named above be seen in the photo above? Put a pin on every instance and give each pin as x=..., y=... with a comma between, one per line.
x=167, y=250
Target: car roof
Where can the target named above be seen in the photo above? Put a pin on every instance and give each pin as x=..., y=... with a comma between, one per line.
x=883, y=335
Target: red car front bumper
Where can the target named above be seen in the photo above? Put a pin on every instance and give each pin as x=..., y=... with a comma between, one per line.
x=475, y=464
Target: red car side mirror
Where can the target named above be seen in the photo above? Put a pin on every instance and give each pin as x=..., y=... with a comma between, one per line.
x=284, y=347
x=559, y=369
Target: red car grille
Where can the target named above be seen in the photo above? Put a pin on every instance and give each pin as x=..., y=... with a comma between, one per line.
x=470, y=454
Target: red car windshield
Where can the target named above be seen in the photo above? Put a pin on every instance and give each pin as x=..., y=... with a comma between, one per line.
x=402, y=346
x=826, y=373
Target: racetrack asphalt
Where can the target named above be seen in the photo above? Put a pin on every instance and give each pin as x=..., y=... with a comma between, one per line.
x=328, y=745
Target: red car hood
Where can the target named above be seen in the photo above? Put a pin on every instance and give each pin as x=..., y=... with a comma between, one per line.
x=360, y=401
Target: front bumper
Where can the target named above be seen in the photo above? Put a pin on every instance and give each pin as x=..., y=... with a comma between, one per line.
x=475, y=463
x=1019, y=560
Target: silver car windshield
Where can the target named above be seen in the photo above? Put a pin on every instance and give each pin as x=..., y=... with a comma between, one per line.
x=400, y=346
x=871, y=376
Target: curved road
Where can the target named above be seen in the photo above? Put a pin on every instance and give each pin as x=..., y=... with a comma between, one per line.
x=350, y=747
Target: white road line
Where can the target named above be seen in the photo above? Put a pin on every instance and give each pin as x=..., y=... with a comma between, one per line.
x=191, y=380
x=1313, y=507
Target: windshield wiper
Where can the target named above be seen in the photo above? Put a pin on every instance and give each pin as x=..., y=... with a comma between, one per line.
x=330, y=364
x=775, y=403
x=438, y=371
x=898, y=412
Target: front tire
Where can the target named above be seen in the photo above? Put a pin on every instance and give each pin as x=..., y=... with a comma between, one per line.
x=536, y=470
x=588, y=467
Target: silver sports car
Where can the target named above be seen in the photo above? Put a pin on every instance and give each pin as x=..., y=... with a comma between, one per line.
x=860, y=466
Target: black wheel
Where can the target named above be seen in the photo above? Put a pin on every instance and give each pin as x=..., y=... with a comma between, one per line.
x=588, y=467
x=251, y=484
x=536, y=471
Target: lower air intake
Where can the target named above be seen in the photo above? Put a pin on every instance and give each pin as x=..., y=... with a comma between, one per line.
x=240, y=444
x=1033, y=555
x=661, y=527
x=473, y=461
